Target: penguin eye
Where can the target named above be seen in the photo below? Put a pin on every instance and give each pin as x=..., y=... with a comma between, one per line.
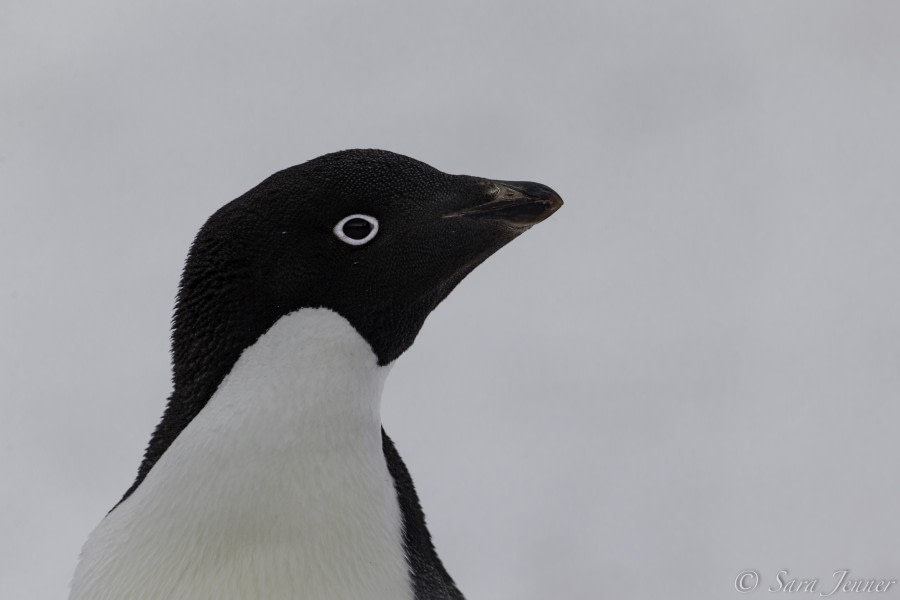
x=356, y=230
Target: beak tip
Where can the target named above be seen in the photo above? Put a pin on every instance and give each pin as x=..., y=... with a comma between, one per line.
x=537, y=202
x=555, y=201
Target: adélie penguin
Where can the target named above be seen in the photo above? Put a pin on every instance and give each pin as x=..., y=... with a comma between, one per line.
x=269, y=475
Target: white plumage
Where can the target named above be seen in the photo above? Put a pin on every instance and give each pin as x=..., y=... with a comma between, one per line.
x=278, y=484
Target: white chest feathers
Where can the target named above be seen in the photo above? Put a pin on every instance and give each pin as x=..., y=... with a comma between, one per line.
x=278, y=489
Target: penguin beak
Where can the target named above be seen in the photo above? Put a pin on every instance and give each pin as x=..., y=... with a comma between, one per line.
x=519, y=204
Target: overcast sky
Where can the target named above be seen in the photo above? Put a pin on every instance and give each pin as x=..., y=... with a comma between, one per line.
x=689, y=371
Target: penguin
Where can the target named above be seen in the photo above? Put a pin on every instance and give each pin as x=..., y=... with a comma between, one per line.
x=269, y=475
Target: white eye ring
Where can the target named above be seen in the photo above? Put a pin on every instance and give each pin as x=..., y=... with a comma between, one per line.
x=339, y=230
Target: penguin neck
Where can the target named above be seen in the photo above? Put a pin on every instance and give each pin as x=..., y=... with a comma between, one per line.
x=307, y=391
x=309, y=385
x=310, y=382
x=283, y=467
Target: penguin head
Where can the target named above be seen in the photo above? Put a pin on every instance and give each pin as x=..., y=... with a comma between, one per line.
x=377, y=237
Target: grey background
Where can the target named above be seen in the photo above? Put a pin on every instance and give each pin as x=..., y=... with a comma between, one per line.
x=690, y=370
